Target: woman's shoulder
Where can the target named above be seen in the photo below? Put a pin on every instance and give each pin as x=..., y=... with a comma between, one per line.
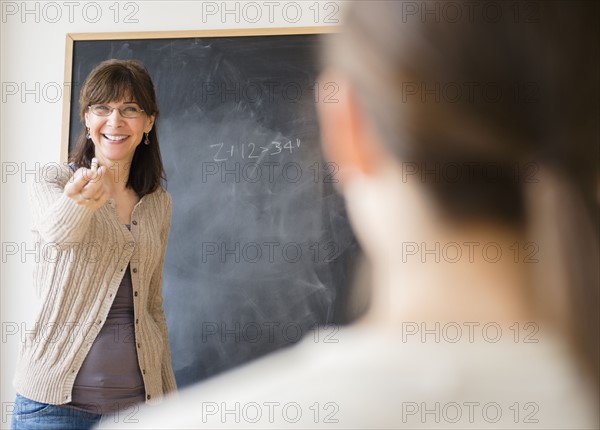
x=52, y=173
x=160, y=196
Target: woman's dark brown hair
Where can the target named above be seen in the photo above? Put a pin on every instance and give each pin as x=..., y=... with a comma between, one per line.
x=421, y=75
x=115, y=80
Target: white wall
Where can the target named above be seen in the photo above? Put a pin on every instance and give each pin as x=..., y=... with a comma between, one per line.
x=32, y=77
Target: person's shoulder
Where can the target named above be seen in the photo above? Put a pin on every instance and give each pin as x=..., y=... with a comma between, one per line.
x=161, y=196
x=51, y=173
x=366, y=378
x=57, y=171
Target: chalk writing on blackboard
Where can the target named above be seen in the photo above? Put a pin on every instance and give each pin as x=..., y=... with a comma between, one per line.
x=253, y=150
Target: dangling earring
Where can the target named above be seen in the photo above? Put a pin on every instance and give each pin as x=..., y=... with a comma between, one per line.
x=88, y=136
x=147, y=141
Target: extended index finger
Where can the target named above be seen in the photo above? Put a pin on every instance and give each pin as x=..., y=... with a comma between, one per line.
x=82, y=177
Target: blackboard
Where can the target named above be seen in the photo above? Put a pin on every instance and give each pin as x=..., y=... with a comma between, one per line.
x=260, y=249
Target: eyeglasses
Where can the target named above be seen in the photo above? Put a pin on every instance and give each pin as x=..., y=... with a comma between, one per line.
x=126, y=111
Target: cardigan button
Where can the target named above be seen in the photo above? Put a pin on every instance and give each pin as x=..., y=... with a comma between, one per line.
x=135, y=270
x=135, y=293
x=148, y=396
x=137, y=320
x=134, y=222
x=139, y=345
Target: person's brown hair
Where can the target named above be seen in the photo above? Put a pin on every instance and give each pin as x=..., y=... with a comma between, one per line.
x=115, y=80
x=546, y=63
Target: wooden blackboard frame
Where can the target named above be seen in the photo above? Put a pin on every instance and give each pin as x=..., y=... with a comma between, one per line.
x=73, y=38
x=310, y=288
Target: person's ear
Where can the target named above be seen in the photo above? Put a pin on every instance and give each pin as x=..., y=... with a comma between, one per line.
x=347, y=138
x=149, y=123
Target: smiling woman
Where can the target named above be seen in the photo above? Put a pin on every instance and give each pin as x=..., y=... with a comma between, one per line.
x=101, y=344
x=117, y=136
x=128, y=110
x=127, y=86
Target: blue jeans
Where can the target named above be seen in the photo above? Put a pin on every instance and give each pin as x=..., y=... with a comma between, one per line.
x=31, y=415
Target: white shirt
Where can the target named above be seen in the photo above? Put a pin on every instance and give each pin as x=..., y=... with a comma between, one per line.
x=359, y=378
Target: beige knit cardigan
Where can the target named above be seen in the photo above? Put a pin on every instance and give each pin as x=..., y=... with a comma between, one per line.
x=83, y=256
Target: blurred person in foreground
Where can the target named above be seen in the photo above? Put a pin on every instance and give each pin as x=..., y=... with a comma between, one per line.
x=477, y=214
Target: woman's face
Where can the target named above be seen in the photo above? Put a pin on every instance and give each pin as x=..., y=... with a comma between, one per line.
x=116, y=137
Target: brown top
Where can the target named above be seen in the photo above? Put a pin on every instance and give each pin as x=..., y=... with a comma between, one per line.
x=110, y=379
